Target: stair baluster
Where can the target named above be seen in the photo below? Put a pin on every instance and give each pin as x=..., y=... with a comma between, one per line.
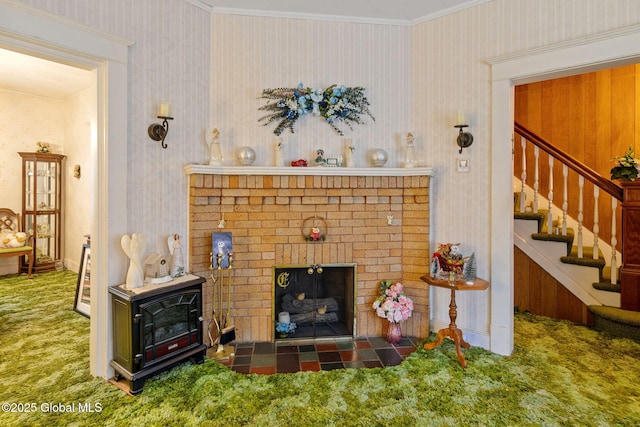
x=614, y=242
x=565, y=200
x=550, y=198
x=523, y=143
x=536, y=155
x=596, y=225
x=580, y=215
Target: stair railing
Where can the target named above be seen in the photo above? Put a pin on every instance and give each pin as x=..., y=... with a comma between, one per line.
x=584, y=172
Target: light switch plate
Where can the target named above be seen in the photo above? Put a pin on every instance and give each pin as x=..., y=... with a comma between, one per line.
x=462, y=165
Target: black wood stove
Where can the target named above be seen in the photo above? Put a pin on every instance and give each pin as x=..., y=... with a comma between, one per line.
x=155, y=328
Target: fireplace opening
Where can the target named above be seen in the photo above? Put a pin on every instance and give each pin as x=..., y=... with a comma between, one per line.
x=319, y=299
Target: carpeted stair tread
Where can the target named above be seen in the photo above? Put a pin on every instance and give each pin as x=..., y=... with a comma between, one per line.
x=546, y=237
x=607, y=286
x=586, y=260
x=605, y=281
x=616, y=321
x=616, y=314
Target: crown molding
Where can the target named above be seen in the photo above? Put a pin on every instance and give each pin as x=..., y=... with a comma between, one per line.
x=309, y=16
x=448, y=11
x=201, y=5
x=333, y=18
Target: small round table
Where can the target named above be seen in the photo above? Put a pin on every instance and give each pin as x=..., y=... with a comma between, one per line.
x=452, y=331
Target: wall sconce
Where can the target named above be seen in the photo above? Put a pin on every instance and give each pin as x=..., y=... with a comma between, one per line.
x=158, y=132
x=465, y=139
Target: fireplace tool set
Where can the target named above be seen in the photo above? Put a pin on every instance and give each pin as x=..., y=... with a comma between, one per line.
x=225, y=332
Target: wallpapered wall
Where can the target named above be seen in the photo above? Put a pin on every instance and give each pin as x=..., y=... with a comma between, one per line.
x=215, y=80
x=254, y=53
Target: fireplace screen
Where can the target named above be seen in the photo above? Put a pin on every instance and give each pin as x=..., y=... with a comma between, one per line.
x=170, y=324
x=319, y=299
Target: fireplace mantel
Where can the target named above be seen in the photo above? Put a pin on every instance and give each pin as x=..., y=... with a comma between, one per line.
x=194, y=169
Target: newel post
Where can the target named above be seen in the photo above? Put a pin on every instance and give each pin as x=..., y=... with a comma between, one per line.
x=630, y=270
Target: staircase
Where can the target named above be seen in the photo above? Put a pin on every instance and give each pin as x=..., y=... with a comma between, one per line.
x=587, y=277
x=554, y=240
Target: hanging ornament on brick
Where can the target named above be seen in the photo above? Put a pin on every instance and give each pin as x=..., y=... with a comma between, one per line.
x=314, y=228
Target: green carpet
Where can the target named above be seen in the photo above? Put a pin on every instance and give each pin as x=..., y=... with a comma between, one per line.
x=560, y=374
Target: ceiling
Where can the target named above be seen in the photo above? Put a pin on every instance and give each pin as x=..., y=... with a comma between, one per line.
x=34, y=76
x=30, y=75
x=402, y=11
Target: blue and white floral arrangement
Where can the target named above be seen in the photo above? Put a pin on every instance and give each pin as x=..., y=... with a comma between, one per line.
x=283, y=329
x=335, y=103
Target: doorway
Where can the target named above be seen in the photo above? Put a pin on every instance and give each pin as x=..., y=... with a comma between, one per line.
x=45, y=101
x=37, y=33
x=606, y=50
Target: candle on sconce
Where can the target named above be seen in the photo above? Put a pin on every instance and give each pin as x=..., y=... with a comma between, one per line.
x=461, y=119
x=165, y=110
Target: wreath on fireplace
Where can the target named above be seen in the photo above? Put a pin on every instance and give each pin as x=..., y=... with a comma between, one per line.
x=314, y=228
x=335, y=104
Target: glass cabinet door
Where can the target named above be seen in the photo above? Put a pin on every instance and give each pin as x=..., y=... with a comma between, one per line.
x=41, y=214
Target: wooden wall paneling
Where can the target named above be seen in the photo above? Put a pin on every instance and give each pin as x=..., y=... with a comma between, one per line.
x=539, y=293
x=535, y=287
x=589, y=122
x=569, y=307
x=603, y=122
x=577, y=108
x=622, y=108
x=521, y=280
x=598, y=111
x=636, y=119
x=548, y=295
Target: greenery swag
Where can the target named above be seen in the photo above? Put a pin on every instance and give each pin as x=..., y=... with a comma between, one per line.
x=335, y=104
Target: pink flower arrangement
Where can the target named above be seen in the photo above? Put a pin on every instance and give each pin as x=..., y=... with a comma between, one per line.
x=392, y=304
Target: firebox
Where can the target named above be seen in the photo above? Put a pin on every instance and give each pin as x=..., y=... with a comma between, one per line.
x=156, y=327
x=319, y=299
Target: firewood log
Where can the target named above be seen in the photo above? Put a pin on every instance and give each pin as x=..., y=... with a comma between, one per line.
x=292, y=305
x=312, y=316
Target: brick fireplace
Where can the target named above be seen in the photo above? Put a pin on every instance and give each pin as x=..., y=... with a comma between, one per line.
x=376, y=218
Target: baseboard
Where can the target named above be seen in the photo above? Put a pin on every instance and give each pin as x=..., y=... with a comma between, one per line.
x=474, y=337
x=8, y=266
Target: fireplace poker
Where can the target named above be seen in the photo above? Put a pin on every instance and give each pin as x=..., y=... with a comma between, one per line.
x=217, y=297
x=228, y=332
x=225, y=333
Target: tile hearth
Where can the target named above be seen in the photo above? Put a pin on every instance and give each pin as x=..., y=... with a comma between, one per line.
x=288, y=356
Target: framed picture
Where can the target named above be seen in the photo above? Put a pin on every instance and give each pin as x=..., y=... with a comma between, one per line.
x=83, y=289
